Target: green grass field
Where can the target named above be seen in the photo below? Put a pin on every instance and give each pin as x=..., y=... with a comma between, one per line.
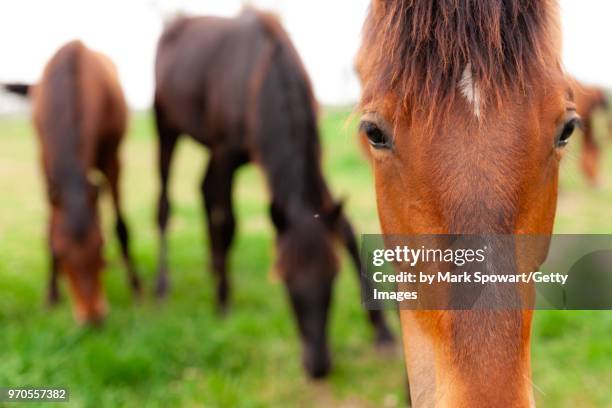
x=180, y=353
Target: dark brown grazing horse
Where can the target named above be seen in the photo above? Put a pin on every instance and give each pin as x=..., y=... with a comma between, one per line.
x=238, y=87
x=467, y=111
x=589, y=100
x=80, y=116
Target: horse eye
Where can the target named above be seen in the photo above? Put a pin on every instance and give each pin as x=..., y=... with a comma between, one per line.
x=567, y=131
x=376, y=136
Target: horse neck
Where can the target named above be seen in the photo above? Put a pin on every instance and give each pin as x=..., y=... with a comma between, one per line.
x=295, y=180
x=57, y=114
x=288, y=139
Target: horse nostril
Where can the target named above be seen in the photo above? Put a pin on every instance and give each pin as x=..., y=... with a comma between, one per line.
x=91, y=319
x=91, y=315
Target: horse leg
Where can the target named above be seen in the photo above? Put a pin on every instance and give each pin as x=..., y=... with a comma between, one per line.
x=111, y=170
x=590, y=160
x=168, y=137
x=53, y=295
x=217, y=195
x=376, y=317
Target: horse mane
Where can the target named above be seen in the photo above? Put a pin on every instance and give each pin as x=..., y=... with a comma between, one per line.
x=294, y=172
x=273, y=28
x=61, y=123
x=426, y=52
x=255, y=88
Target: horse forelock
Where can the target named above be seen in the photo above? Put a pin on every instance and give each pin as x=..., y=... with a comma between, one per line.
x=427, y=54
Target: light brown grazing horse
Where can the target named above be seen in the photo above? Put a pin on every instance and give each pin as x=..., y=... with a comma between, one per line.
x=467, y=110
x=589, y=101
x=238, y=87
x=80, y=116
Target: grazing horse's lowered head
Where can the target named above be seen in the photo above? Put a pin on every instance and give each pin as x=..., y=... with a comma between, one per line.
x=76, y=243
x=308, y=265
x=467, y=111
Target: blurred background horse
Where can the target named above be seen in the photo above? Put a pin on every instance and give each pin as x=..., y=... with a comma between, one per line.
x=80, y=115
x=238, y=87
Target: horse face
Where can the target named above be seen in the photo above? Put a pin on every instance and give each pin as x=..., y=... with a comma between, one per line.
x=466, y=139
x=310, y=298
x=308, y=265
x=493, y=174
x=498, y=175
x=80, y=259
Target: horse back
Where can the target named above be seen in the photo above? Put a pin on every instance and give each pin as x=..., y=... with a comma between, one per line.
x=207, y=70
x=78, y=104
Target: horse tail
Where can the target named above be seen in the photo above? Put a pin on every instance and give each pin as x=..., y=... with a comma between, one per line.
x=18, y=88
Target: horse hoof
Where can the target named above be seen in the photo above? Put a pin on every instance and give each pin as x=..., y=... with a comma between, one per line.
x=161, y=290
x=223, y=310
x=384, y=338
x=52, y=300
x=136, y=289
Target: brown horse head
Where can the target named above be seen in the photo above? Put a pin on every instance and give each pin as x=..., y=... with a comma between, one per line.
x=76, y=242
x=589, y=100
x=467, y=111
x=308, y=265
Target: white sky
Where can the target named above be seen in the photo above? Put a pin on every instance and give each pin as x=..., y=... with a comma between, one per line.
x=326, y=33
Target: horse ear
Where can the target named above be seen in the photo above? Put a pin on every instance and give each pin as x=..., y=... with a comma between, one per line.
x=331, y=217
x=279, y=218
